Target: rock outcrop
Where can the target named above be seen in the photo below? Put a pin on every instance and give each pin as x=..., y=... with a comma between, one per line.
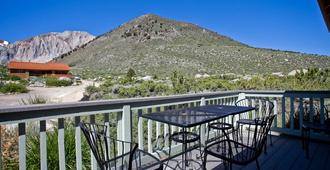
x=43, y=48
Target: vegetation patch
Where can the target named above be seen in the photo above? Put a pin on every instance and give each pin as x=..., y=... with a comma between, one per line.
x=34, y=100
x=57, y=83
x=13, y=88
x=178, y=83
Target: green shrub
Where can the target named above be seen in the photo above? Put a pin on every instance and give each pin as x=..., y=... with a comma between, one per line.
x=92, y=89
x=13, y=88
x=23, y=82
x=57, y=83
x=14, y=78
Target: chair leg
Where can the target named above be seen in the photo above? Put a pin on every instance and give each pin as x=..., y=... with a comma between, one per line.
x=169, y=147
x=265, y=147
x=308, y=142
x=270, y=137
x=258, y=166
x=204, y=160
x=303, y=138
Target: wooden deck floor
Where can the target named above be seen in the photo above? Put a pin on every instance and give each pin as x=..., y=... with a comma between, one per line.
x=285, y=153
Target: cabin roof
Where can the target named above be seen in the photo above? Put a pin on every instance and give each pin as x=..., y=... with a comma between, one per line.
x=38, y=66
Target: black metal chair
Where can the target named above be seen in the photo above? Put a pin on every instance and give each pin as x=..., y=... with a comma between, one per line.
x=115, y=154
x=315, y=125
x=241, y=152
x=264, y=108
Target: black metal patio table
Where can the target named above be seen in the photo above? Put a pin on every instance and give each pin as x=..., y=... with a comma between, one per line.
x=191, y=117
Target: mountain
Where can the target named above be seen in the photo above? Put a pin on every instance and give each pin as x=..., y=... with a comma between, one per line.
x=43, y=48
x=152, y=44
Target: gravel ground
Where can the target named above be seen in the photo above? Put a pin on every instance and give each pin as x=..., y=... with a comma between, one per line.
x=52, y=94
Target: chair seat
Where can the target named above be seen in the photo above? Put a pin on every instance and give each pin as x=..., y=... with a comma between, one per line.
x=242, y=154
x=221, y=126
x=189, y=137
x=147, y=161
x=141, y=160
x=248, y=121
x=316, y=126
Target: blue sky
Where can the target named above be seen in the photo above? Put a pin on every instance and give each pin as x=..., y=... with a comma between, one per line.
x=294, y=25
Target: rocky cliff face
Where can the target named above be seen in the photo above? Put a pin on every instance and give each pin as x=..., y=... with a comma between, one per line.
x=44, y=48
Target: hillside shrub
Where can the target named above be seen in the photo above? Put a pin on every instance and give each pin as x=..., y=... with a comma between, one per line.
x=13, y=88
x=23, y=82
x=92, y=89
x=10, y=77
x=57, y=83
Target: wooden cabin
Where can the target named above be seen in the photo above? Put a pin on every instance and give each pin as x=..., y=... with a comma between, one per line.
x=27, y=69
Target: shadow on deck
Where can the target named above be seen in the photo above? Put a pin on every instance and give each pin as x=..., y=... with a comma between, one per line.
x=285, y=153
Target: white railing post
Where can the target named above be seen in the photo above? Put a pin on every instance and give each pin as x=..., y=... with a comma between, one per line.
x=126, y=126
x=43, y=145
x=93, y=159
x=150, y=136
x=61, y=150
x=22, y=146
x=140, y=130
x=166, y=131
x=275, y=111
x=158, y=126
x=78, y=144
x=107, y=133
x=203, y=126
x=119, y=132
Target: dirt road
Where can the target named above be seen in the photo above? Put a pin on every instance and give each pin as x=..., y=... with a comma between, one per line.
x=52, y=94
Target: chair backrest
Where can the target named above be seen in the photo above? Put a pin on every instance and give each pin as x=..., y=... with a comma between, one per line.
x=242, y=102
x=105, y=149
x=254, y=138
x=264, y=107
x=261, y=130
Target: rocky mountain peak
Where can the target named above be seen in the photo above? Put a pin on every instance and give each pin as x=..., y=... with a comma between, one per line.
x=45, y=47
x=147, y=27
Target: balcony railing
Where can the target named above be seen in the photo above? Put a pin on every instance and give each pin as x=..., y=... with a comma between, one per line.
x=124, y=113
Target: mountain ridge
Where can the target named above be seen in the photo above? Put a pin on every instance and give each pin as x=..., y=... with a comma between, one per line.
x=151, y=44
x=44, y=47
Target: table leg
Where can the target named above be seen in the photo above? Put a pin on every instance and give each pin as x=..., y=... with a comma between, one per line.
x=184, y=149
x=169, y=145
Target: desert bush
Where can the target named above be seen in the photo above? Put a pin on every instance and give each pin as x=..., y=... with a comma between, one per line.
x=23, y=82
x=33, y=100
x=14, y=78
x=92, y=89
x=56, y=82
x=13, y=88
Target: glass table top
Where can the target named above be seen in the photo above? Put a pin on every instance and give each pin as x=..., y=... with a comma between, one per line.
x=194, y=116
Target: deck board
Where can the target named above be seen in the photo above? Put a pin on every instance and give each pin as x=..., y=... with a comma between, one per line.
x=320, y=157
x=301, y=162
x=278, y=158
x=285, y=153
x=327, y=162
